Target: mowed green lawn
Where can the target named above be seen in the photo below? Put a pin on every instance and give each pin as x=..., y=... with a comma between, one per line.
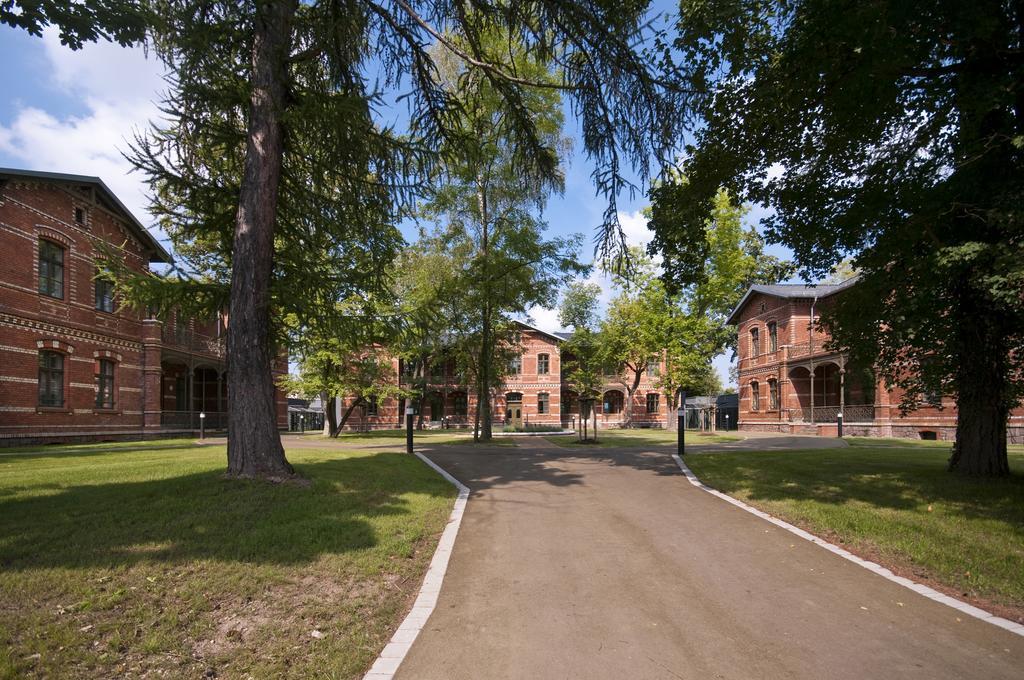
x=420, y=438
x=141, y=559
x=894, y=502
x=641, y=437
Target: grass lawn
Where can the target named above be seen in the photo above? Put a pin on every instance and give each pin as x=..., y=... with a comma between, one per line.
x=894, y=502
x=137, y=559
x=643, y=437
x=425, y=437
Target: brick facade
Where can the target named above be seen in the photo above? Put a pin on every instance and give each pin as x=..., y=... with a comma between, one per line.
x=791, y=384
x=64, y=320
x=541, y=397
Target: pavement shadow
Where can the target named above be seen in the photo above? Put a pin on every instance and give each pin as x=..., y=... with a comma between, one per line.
x=482, y=467
x=205, y=516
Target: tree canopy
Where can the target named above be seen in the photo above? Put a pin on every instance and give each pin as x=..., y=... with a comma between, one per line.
x=273, y=108
x=892, y=132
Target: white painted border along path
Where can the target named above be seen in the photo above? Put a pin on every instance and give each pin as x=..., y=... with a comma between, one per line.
x=394, y=652
x=918, y=588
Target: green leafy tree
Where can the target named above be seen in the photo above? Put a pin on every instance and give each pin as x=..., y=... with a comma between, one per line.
x=631, y=333
x=487, y=206
x=892, y=132
x=710, y=267
x=581, y=359
x=271, y=112
x=431, y=310
x=335, y=373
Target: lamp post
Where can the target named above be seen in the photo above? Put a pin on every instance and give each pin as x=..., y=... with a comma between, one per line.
x=202, y=425
x=839, y=424
x=408, y=429
x=302, y=423
x=682, y=425
x=726, y=422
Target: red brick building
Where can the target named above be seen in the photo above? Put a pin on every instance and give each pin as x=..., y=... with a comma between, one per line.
x=74, y=365
x=535, y=393
x=789, y=382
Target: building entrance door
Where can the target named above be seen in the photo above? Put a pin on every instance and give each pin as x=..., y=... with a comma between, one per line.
x=516, y=418
x=514, y=413
x=514, y=409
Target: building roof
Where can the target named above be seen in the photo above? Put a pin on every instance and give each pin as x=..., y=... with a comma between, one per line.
x=792, y=291
x=557, y=337
x=157, y=252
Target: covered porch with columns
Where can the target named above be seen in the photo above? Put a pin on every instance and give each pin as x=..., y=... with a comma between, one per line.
x=821, y=389
x=190, y=386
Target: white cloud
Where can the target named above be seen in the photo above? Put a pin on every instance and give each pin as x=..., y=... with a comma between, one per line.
x=634, y=225
x=546, y=319
x=116, y=88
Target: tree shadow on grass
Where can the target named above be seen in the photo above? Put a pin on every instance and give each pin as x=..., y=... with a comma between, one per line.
x=205, y=516
x=891, y=479
x=54, y=452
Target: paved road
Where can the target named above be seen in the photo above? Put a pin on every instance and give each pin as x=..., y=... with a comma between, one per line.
x=607, y=564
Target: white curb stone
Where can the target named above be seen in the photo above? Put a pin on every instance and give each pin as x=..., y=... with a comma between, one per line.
x=930, y=593
x=386, y=665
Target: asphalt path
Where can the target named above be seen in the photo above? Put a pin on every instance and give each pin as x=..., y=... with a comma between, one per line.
x=607, y=563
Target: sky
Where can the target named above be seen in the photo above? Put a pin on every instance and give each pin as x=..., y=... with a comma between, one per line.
x=76, y=112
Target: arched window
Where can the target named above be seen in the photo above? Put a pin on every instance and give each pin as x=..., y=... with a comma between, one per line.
x=515, y=367
x=773, y=336
x=613, y=401
x=543, y=403
x=514, y=396
x=773, y=394
x=755, y=342
x=755, y=396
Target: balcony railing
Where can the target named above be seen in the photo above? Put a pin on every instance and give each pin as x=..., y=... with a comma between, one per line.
x=185, y=338
x=857, y=413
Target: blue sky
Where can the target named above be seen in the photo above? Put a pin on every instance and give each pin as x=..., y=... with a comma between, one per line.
x=74, y=112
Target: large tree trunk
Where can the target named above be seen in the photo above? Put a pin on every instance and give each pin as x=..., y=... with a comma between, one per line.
x=254, y=444
x=330, y=403
x=483, y=402
x=670, y=418
x=348, y=412
x=982, y=411
x=982, y=351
